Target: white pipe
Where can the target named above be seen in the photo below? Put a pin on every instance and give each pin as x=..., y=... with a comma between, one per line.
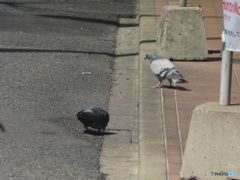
x=182, y=3
x=226, y=78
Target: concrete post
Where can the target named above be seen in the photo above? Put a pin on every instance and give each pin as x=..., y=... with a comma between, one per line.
x=182, y=3
x=179, y=36
x=226, y=78
x=213, y=143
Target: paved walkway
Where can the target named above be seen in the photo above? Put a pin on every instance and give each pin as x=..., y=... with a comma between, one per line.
x=151, y=128
x=175, y=106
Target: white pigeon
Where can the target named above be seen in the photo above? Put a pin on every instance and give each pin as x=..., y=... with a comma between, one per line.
x=164, y=69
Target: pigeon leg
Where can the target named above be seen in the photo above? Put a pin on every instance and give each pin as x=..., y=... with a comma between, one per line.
x=158, y=85
x=86, y=127
x=170, y=81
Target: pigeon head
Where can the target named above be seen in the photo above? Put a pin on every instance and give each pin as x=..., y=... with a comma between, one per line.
x=150, y=56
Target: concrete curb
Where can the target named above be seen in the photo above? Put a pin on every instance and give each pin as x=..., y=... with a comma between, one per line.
x=138, y=148
x=152, y=151
x=119, y=157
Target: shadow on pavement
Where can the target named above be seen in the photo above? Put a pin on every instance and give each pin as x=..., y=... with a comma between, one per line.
x=97, y=133
x=2, y=128
x=180, y=88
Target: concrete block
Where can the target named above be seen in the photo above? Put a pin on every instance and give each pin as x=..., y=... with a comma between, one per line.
x=213, y=144
x=181, y=35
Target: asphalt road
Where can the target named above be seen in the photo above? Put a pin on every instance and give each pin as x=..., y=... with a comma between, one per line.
x=44, y=48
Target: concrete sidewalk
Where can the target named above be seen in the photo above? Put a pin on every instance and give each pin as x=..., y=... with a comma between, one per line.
x=165, y=114
x=160, y=118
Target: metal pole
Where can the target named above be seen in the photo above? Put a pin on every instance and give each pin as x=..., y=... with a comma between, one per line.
x=182, y=3
x=226, y=78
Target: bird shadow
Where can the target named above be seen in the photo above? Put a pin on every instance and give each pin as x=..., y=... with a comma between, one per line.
x=180, y=88
x=97, y=133
x=2, y=128
x=237, y=104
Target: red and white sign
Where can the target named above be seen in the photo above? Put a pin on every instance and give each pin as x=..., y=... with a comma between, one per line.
x=231, y=15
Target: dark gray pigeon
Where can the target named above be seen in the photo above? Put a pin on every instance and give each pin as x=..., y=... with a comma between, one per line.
x=164, y=69
x=94, y=117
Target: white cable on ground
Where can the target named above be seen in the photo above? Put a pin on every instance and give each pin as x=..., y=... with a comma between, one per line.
x=165, y=136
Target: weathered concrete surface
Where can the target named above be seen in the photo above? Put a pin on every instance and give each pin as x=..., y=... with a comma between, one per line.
x=181, y=35
x=152, y=157
x=213, y=142
x=119, y=157
x=152, y=152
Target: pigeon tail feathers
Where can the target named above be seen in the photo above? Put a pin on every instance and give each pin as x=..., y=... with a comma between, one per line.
x=180, y=81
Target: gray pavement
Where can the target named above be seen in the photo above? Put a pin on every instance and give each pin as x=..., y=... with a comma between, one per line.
x=43, y=87
x=45, y=46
